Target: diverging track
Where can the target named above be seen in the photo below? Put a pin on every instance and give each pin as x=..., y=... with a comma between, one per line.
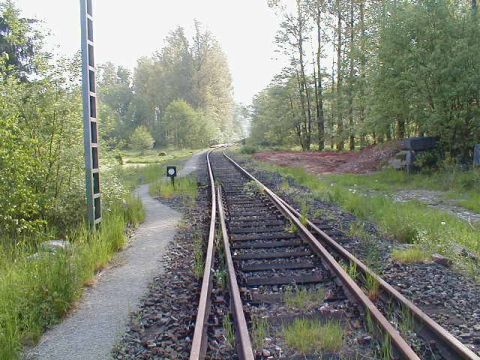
x=271, y=251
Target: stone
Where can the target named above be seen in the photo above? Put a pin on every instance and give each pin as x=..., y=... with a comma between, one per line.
x=266, y=353
x=356, y=324
x=55, y=245
x=476, y=155
x=441, y=260
x=364, y=340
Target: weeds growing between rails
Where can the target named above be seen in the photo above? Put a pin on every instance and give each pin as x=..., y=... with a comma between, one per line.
x=309, y=336
x=36, y=291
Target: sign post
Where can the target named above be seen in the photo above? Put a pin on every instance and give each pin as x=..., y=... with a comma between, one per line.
x=90, y=127
x=172, y=173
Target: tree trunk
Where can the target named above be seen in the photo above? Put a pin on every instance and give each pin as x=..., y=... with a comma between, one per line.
x=401, y=129
x=350, y=85
x=304, y=113
x=318, y=82
x=301, y=21
x=474, y=7
x=332, y=107
x=363, y=59
x=340, y=141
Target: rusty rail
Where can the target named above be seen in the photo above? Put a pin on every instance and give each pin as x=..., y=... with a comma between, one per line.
x=200, y=338
x=199, y=342
x=244, y=345
x=449, y=343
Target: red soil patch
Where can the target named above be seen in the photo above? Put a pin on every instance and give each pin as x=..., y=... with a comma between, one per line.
x=370, y=159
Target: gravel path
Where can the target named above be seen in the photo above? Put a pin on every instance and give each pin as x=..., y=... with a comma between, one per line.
x=92, y=329
x=99, y=320
x=192, y=164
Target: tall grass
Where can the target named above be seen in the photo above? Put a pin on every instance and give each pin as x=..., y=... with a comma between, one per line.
x=458, y=184
x=185, y=187
x=309, y=336
x=37, y=291
x=408, y=222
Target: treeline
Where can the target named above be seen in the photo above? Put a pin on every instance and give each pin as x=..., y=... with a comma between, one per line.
x=182, y=95
x=367, y=71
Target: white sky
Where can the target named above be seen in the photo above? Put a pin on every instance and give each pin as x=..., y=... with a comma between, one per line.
x=126, y=30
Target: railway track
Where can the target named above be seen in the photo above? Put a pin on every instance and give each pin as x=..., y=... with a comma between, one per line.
x=271, y=250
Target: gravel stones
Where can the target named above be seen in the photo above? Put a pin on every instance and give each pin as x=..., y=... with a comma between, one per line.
x=163, y=326
x=450, y=298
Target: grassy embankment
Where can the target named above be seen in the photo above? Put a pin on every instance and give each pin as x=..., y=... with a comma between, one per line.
x=431, y=230
x=36, y=292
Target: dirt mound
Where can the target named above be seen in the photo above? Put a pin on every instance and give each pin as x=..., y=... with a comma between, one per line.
x=367, y=160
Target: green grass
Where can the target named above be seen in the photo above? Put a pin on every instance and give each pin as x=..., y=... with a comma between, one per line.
x=154, y=156
x=411, y=255
x=229, y=330
x=304, y=299
x=309, y=336
x=372, y=286
x=149, y=168
x=185, y=187
x=408, y=222
x=37, y=292
x=260, y=329
x=458, y=184
x=199, y=262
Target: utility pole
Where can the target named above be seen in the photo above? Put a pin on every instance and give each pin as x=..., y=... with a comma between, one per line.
x=90, y=124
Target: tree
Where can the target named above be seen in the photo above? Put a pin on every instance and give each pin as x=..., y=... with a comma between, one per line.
x=390, y=76
x=19, y=42
x=195, y=71
x=141, y=139
x=186, y=127
x=116, y=103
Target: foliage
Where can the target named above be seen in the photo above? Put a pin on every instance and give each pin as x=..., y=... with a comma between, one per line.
x=410, y=255
x=389, y=78
x=36, y=292
x=182, y=94
x=20, y=43
x=304, y=299
x=185, y=187
x=248, y=150
x=187, y=128
x=309, y=336
x=141, y=139
x=410, y=222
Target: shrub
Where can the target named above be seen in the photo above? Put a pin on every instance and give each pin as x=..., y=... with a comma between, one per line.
x=141, y=139
x=248, y=150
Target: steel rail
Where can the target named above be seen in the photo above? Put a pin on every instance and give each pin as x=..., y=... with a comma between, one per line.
x=448, y=341
x=244, y=345
x=400, y=345
x=199, y=342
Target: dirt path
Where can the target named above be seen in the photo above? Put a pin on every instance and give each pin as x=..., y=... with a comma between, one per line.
x=369, y=159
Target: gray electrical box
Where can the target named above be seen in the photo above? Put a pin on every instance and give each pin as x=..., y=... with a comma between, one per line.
x=476, y=155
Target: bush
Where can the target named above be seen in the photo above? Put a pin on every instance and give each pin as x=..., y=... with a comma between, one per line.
x=119, y=158
x=141, y=139
x=36, y=293
x=248, y=150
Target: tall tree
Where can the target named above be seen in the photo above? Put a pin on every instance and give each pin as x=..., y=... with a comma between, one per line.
x=19, y=42
x=339, y=100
